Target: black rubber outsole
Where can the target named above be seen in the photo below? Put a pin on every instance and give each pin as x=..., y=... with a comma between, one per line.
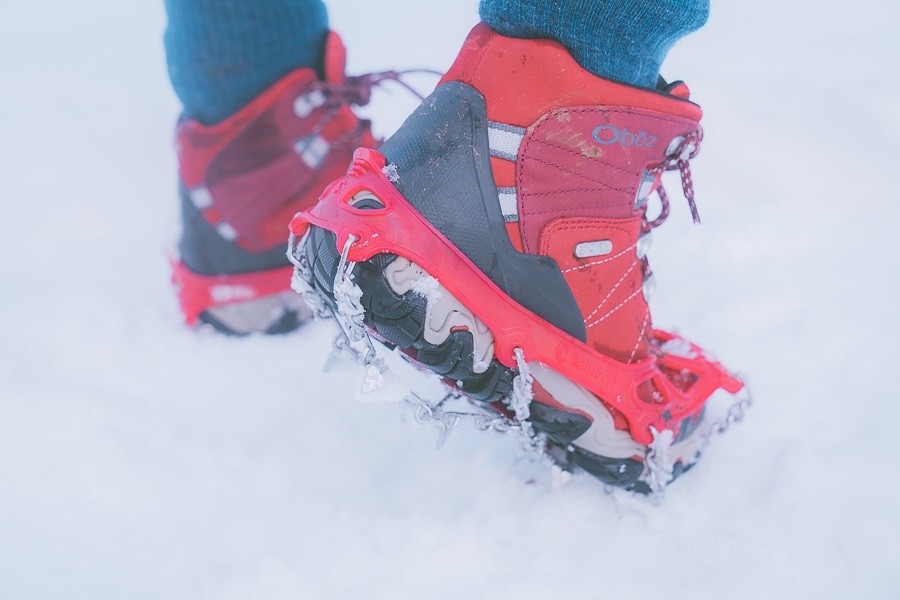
x=288, y=322
x=400, y=319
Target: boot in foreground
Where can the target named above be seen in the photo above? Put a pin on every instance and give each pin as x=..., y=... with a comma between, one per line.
x=500, y=238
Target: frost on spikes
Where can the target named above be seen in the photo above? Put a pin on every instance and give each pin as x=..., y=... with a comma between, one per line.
x=522, y=394
x=659, y=459
x=347, y=295
x=479, y=365
x=390, y=171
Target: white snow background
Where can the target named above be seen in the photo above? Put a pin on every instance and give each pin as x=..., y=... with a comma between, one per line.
x=139, y=459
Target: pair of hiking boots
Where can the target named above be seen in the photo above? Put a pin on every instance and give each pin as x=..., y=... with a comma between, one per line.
x=498, y=239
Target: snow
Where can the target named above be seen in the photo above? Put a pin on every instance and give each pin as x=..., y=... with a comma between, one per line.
x=142, y=460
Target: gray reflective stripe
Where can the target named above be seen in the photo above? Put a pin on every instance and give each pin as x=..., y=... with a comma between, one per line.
x=304, y=105
x=643, y=244
x=201, y=197
x=644, y=189
x=504, y=140
x=509, y=204
x=312, y=149
x=227, y=231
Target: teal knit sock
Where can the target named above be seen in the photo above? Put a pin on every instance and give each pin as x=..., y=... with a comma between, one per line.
x=625, y=40
x=223, y=53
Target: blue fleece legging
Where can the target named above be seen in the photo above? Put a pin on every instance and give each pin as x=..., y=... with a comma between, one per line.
x=222, y=53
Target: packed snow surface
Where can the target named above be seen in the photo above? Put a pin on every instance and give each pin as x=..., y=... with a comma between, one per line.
x=139, y=459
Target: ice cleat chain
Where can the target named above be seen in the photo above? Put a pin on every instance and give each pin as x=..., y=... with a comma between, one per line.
x=630, y=412
x=349, y=311
x=522, y=394
x=301, y=278
x=355, y=338
x=347, y=295
x=742, y=401
x=659, y=461
x=427, y=414
x=350, y=315
x=679, y=154
x=494, y=422
x=520, y=402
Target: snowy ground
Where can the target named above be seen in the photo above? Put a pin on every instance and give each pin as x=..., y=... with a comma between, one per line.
x=142, y=460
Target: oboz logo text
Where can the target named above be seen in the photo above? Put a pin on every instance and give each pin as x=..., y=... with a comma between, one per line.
x=607, y=134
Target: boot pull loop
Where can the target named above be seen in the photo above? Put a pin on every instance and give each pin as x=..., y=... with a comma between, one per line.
x=358, y=89
x=679, y=153
x=689, y=149
x=336, y=95
x=687, y=186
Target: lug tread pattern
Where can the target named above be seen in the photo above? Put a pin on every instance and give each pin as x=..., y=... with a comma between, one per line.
x=400, y=319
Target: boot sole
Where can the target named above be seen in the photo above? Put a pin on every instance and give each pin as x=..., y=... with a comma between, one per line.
x=397, y=307
x=409, y=309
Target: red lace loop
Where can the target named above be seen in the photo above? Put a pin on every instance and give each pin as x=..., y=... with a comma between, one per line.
x=357, y=89
x=678, y=159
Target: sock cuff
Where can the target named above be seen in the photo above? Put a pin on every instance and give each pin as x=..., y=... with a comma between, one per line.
x=625, y=40
x=222, y=54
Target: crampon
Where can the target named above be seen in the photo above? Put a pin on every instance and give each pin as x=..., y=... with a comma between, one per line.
x=441, y=252
x=660, y=399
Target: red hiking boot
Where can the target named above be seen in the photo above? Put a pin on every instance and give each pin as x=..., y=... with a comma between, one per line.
x=502, y=232
x=244, y=178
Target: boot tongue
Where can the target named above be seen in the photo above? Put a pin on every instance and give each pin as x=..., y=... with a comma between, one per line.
x=335, y=59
